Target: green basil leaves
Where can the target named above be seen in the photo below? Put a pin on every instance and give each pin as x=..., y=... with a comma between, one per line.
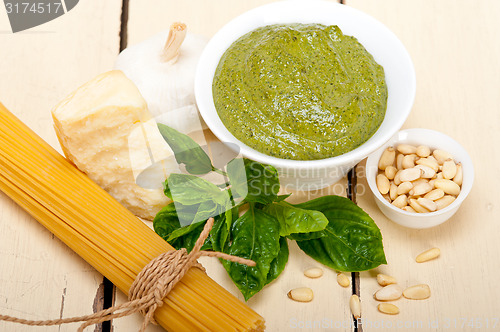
x=254, y=222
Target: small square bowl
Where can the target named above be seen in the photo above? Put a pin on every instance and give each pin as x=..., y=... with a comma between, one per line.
x=435, y=140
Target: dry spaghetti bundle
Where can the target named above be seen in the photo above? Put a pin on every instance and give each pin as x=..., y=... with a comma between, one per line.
x=105, y=234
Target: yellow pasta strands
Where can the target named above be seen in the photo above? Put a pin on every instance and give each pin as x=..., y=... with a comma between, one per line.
x=105, y=234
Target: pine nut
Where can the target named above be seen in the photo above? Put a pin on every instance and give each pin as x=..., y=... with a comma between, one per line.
x=449, y=169
x=406, y=148
x=389, y=293
x=432, y=163
x=393, y=191
x=439, y=176
x=428, y=255
x=434, y=194
x=302, y=294
x=409, y=161
x=419, y=181
x=383, y=184
x=427, y=203
x=314, y=272
x=387, y=198
x=423, y=151
x=458, y=179
x=404, y=188
x=400, y=202
x=399, y=161
x=448, y=186
x=384, y=279
x=343, y=280
x=428, y=172
x=387, y=158
x=417, y=207
x=444, y=201
x=388, y=308
x=409, y=209
x=441, y=156
x=417, y=292
x=355, y=306
x=420, y=189
x=390, y=172
x=410, y=174
x=397, y=180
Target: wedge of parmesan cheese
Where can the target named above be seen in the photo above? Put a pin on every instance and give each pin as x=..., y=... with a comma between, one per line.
x=106, y=130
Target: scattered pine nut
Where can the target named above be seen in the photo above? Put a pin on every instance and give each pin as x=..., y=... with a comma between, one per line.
x=343, y=280
x=389, y=293
x=428, y=255
x=355, y=306
x=302, y=294
x=388, y=308
x=384, y=279
x=314, y=272
x=417, y=292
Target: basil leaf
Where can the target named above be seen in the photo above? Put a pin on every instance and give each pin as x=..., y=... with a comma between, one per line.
x=278, y=264
x=255, y=236
x=166, y=221
x=306, y=236
x=166, y=224
x=281, y=198
x=219, y=235
x=296, y=220
x=189, y=190
x=186, y=151
x=353, y=241
x=252, y=180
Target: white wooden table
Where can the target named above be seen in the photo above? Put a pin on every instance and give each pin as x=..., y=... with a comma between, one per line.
x=455, y=46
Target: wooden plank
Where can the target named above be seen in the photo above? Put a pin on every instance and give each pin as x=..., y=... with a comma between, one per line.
x=330, y=307
x=40, y=278
x=455, y=49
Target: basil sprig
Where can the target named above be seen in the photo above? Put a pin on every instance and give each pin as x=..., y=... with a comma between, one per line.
x=254, y=222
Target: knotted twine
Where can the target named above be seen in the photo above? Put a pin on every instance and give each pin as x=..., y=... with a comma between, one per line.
x=149, y=288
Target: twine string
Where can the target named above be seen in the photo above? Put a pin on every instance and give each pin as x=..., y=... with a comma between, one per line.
x=150, y=287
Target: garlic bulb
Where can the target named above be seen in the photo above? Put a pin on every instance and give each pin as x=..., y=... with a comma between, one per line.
x=163, y=69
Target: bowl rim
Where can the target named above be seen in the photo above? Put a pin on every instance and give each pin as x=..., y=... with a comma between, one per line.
x=465, y=159
x=354, y=155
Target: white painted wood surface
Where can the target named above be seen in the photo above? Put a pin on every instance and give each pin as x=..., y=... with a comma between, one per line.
x=40, y=278
x=455, y=47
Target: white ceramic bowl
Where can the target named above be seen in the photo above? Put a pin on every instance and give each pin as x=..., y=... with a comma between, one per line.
x=435, y=140
x=375, y=37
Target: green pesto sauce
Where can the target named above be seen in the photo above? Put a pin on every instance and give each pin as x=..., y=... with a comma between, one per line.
x=300, y=91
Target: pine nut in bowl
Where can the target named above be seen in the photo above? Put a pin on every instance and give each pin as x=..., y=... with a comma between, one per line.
x=420, y=177
x=294, y=136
